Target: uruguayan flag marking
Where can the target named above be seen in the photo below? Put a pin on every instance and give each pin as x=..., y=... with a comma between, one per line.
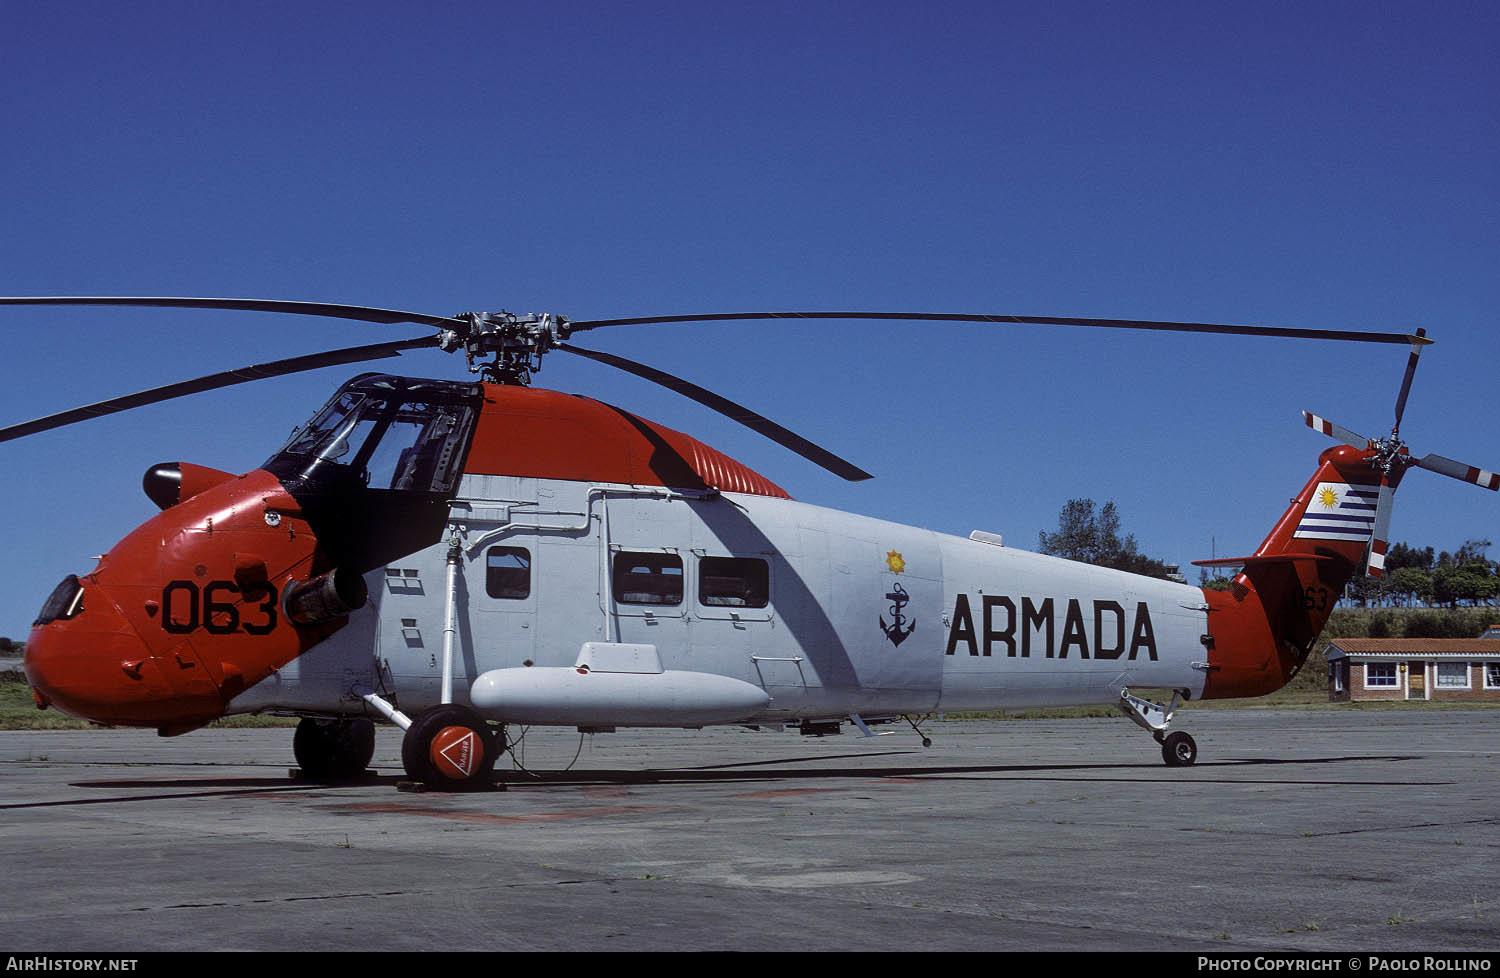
x=1339, y=512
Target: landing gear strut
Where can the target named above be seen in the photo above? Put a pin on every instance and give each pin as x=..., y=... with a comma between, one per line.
x=334, y=750
x=1177, y=749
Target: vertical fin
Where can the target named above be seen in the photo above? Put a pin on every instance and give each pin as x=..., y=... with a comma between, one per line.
x=1262, y=629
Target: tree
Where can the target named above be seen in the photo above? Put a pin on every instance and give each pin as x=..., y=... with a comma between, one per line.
x=1364, y=591
x=1092, y=538
x=1216, y=583
x=1469, y=582
x=1413, y=584
x=1465, y=576
x=1404, y=555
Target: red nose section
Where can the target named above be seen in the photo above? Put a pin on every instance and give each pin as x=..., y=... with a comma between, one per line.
x=97, y=667
x=183, y=614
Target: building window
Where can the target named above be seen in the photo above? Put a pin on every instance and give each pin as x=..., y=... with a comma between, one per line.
x=1453, y=675
x=1492, y=675
x=507, y=573
x=648, y=578
x=1381, y=675
x=734, y=582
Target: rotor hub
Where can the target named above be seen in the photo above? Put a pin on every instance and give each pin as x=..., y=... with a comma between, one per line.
x=1390, y=453
x=505, y=347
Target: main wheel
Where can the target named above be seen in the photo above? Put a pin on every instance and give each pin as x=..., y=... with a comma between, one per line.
x=1179, y=750
x=450, y=748
x=334, y=750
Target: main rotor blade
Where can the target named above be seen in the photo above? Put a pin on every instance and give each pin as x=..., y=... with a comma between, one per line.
x=1335, y=431
x=259, y=371
x=730, y=409
x=1460, y=471
x=1282, y=331
x=326, y=309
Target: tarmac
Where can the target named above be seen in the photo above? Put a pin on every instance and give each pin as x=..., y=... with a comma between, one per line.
x=1329, y=831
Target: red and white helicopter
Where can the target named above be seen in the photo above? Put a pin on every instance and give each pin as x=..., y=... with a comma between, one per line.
x=456, y=557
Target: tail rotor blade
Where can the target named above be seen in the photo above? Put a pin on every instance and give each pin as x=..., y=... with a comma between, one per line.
x=1335, y=431
x=1459, y=471
x=1411, y=369
x=1380, y=539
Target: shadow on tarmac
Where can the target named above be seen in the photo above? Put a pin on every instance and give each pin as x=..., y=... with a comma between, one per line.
x=779, y=770
x=733, y=773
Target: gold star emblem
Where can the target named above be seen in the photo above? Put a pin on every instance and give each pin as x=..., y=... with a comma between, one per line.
x=1328, y=497
x=895, y=562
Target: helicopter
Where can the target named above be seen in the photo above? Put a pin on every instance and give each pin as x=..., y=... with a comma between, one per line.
x=461, y=558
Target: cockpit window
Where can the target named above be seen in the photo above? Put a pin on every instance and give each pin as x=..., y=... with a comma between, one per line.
x=65, y=601
x=394, y=433
x=321, y=429
x=416, y=450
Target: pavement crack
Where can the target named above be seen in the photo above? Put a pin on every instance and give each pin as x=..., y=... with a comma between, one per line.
x=1400, y=828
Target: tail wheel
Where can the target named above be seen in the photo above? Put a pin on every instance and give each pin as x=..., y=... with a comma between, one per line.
x=1179, y=750
x=334, y=750
x=450, y=748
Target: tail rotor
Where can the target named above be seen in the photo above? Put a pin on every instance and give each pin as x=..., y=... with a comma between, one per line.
x=1391, y=457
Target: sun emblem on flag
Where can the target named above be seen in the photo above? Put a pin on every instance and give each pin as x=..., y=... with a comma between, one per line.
x=1328, y=497
x=895, y=562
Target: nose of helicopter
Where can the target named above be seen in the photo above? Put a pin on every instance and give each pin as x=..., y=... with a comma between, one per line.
x=90, y=663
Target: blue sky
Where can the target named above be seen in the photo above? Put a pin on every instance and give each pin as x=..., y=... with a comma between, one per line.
x=1327, y=165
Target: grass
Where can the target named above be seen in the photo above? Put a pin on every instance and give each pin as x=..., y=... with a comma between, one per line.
x=18, y=711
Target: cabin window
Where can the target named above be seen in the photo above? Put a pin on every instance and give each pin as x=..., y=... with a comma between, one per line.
x=1492, y=675
x=1380, y=675
x=734, y=582
x=648, y=578
x=507, y=573
x=1453, y=675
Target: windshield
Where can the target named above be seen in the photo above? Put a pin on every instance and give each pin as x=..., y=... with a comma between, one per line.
x=319, y=431
x=394, y=433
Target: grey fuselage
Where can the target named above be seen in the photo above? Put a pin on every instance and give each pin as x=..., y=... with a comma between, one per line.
x=862, y=616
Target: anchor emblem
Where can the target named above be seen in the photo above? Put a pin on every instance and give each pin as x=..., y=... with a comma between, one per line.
x=898, y=598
